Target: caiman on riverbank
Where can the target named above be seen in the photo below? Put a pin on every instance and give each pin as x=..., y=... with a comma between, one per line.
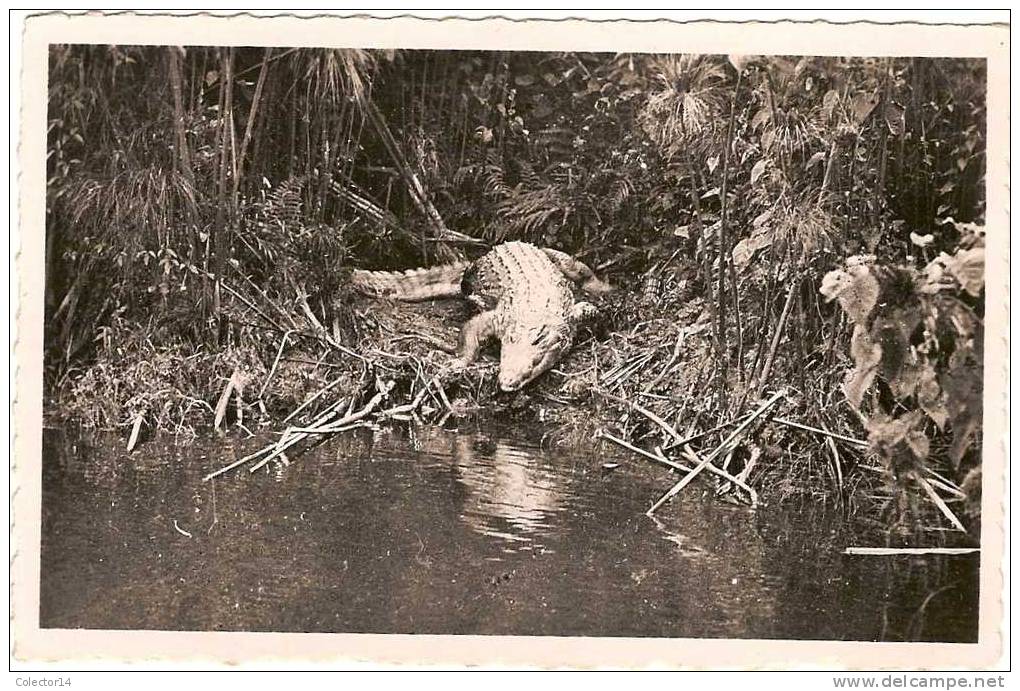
x=527, y=301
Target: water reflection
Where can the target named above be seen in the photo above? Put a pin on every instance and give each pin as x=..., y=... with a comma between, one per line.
x=684, y=544
x=436, y=531
x=512, y=493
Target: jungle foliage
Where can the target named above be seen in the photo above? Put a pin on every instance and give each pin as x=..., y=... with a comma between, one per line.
x=198, y=196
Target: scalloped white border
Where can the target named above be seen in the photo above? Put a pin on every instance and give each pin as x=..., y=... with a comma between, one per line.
x=780, y=37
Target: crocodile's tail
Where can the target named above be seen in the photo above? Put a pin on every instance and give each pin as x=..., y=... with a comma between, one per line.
x=413, y=285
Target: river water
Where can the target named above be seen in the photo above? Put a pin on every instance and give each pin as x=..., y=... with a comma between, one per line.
x=457, y=532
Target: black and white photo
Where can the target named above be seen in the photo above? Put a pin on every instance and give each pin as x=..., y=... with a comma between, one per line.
x=358, y=336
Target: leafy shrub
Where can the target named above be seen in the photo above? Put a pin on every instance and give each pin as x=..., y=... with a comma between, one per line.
x=917, y=351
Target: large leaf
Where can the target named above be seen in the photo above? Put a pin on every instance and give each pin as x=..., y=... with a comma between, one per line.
x=866, y=355
x=744, y=250
x=829, y=103
x=863, y=104
x=856, y=289
x=760, y=118
x=758, y=170
x=968, y=267
x=895, y=118
x=892, y=331
x=963, y=392
x=930, y=396
x=739, y=62
x=892, y=438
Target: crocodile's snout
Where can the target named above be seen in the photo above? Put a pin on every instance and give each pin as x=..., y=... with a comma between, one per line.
x=510, y=386
x=510, y=383
x=515, y=372
x=520, y=363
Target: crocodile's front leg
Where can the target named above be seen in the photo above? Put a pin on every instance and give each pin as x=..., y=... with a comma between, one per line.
x=476, y=331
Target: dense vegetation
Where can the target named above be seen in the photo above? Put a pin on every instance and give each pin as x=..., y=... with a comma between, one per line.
x=810, y=224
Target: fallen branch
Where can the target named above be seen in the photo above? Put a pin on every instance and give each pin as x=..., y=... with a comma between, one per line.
x=343, y=424
x=688, y=451
x=647, y=454
x=693, y=458
x=668, y=428
x=314, y=398
x=837, y=464
x=940, y=503
x=276, y=362
x=816, y=430
x=224, y=400
x=699, y=435
x=408, y=407
x=722, y=448
x=323, y=418
x=948, y=484
x=325, y=423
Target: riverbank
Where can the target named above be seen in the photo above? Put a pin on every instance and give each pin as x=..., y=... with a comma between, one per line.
x=640, y=378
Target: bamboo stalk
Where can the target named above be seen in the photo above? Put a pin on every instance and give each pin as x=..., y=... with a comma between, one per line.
x=218, y=238
x=777, y=337
x=414, y=185
x=249, y=127
x=183, y=158
x=722, y=239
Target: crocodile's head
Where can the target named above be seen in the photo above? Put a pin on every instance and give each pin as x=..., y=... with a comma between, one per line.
x=527, y=352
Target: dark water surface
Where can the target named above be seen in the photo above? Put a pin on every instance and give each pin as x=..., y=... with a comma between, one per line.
x=440, y=531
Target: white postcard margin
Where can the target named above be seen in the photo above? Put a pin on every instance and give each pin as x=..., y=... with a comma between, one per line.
x=293, y=650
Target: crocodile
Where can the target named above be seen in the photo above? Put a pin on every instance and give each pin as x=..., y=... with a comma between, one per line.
x=526, y=297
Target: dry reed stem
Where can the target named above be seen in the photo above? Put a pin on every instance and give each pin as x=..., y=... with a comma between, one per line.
x=940, y=503
x=727, y=443
x=816, y=430
x=276, y=362
x=314, y=398
x=321, y=419
x=694, y=458
x=899, y=551
x=647, y=454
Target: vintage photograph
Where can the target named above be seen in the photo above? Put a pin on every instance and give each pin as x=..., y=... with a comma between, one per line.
x=513, y=342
